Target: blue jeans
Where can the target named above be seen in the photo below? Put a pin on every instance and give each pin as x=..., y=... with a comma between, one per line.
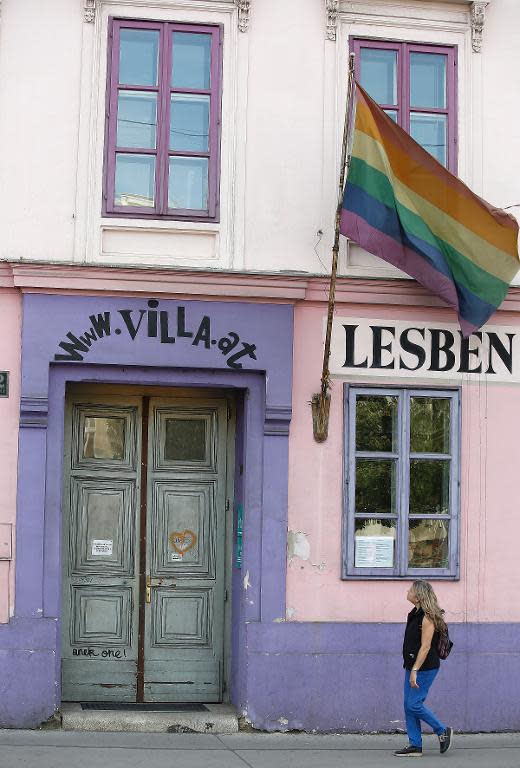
x=414, y=708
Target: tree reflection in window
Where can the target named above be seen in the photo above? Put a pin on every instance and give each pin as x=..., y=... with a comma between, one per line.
x=104, y=438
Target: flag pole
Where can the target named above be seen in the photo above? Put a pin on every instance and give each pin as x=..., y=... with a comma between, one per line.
x=321, y=401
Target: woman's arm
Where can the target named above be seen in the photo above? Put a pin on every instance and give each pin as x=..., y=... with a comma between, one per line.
x=428, y=628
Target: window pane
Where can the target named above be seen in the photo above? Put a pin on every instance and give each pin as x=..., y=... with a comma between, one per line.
x=428, y=80
x=135, y=180
x=103, y=523
x=103, y=438
x=379, y=74
x=392, y=113
x=136, y=119
x=376, y=423
x=430, y=132
x=374, y=543
x=429, y=487
x=185, y=440
x=430, y=419
x=428, y=544
x=375, y=486
x=138, y=56
x=191, y=60
x=188, y=183
x=189, y=124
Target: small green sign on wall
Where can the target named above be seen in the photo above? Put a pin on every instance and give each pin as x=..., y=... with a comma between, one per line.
x=4, y=383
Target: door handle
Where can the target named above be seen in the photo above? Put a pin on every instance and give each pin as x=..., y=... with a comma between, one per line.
x=156, y=583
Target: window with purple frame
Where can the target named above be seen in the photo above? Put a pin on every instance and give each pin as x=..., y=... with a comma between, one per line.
x=416, y=86
x=163, y=120
x=401, y=483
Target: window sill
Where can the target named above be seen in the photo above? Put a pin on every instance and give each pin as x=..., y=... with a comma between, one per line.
x=158, y=242
x=136, y=221
x=409, y=577
x=149, y=217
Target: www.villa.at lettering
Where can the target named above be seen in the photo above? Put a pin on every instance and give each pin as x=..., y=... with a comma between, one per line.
x=153, y=323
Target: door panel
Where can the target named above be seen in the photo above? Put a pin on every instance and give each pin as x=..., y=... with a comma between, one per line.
x=185, y=531
x=104, y=437
x=192, y=681
x=100, y=584
x=102, y=526
x=101, y=616
x=85, y=681
x=182, y=536
x=185, y=439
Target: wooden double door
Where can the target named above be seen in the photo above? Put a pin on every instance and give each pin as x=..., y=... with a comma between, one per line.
x=144, y=549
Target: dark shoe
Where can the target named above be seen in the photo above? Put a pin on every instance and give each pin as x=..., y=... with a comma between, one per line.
x=409, y=751
x=446, y=740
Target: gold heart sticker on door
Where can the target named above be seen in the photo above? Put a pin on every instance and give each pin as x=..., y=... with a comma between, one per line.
x=182, y=541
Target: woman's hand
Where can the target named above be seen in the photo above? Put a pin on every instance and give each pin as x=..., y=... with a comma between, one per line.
x=413, y=679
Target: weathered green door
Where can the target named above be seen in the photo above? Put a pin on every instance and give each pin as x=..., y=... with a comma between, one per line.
x=144, y=547
x=185, y=584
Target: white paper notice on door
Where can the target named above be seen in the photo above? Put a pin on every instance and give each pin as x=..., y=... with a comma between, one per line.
x=102, y=547
x=374, y=552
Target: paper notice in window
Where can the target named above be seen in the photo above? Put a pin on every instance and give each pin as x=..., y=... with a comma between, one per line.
x=374, y=552
x=102, y=547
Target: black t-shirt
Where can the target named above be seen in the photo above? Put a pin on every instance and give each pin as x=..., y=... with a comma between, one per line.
x=412, y=642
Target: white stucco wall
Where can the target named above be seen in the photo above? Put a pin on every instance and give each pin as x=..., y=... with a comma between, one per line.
x=283, y=101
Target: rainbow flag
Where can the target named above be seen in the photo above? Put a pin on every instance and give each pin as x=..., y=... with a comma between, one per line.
x=402, y=205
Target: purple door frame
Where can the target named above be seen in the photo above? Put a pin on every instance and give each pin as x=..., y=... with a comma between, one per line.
x=31, y=659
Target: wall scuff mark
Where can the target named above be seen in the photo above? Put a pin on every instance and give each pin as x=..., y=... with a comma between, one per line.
x=298, y=545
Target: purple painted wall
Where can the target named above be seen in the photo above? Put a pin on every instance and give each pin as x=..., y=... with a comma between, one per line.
x=27, y=671
x=349, y=677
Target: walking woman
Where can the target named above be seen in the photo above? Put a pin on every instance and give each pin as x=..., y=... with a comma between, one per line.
x=421, y=664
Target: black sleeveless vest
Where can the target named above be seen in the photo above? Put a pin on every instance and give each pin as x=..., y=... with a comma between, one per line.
x=412, y=642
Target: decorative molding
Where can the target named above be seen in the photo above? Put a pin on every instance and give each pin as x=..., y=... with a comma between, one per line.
x=6, y=275
x=243, y=14
x=332, y=18
x=445, y=16
x=34, y=412
x=478, y=17
x=277, y=420
x=66, y=279
x=89, y=11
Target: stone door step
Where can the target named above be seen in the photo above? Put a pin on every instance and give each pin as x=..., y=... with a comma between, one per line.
x=219, y=718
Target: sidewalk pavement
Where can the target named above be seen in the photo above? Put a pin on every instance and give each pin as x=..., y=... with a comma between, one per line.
x=74, y=749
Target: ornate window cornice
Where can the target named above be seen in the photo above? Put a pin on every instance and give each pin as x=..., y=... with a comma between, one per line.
x=478, y=17
x=243, y=6
x=332, y=7
x=243, y=14
x=89, y=10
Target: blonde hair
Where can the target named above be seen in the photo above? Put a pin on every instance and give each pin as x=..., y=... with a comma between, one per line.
x=427, y=600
